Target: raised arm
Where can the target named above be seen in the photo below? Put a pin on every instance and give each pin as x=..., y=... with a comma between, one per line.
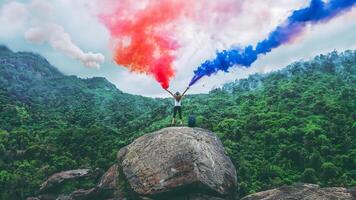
x=169, y=92
x=185, y=91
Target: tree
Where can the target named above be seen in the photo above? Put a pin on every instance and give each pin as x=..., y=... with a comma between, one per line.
x=329, y=171
x=309, y=176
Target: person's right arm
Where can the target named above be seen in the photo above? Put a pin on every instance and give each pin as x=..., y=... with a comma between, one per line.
x=169, y=92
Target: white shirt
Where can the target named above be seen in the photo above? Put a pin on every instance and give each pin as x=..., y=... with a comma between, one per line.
x=177, y=103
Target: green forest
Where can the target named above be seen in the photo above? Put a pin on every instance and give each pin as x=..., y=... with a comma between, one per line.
x=292, y=125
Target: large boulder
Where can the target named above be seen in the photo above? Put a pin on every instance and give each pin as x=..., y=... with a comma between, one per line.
x=305, y=192
x=176, y=161
x=173, y=163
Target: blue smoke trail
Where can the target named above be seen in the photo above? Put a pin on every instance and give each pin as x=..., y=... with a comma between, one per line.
x=316, y=12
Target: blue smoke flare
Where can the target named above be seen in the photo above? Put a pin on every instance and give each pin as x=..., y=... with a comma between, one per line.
x=317, y=11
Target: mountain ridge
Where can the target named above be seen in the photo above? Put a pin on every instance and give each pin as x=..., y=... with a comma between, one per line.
x=31, y=79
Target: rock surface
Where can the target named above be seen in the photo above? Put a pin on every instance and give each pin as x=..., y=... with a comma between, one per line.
x=304, y=192
x=106, y=188
x=58, y=178
x=175, y=160
x=109, y=180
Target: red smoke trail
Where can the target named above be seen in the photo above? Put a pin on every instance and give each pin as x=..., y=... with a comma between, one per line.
x=142, y=35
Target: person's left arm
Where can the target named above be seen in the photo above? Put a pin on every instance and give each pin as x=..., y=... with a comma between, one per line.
x=185, y=91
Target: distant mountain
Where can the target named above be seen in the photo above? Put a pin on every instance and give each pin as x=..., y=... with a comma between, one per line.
x=340, y=64
x=293, y=125
x=38, y=87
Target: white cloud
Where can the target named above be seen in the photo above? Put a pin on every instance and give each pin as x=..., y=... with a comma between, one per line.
x=13, y=12
x=38, y=13
x=12, y=18
x=40, y=9
x=55, y=35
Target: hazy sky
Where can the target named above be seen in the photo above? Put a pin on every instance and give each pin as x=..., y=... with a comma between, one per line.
x=39, y=25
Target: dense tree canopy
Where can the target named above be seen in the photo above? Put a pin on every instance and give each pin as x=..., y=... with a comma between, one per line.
x=293, y=125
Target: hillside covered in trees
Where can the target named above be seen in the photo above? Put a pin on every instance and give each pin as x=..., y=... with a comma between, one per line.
x=293, y=125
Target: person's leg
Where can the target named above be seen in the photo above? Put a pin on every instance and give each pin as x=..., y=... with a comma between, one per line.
x=180, y=114
x=174, y=115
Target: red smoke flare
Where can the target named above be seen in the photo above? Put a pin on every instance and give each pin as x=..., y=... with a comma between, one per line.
x=142, y=35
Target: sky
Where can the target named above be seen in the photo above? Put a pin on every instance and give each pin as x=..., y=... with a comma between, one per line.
x=73, y=37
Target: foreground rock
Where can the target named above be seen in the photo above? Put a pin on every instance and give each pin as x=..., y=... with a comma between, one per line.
x=58, y=178
x=173, y=163
x=176, y=160
x=305, y=192
x=177, y=164
x=105, y=189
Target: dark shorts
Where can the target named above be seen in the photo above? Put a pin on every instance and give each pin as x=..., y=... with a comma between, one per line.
x=177, y=109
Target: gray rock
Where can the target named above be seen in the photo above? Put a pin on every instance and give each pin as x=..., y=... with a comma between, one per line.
x=106, y=188
x=197, y=197
x=304, y=192
x=193, y=196
x=177, y=160
x=48, y=197
x=64, y=197
x=83, y=194
x=31, y=198
x=109, y=180
x=108, y=185
x=58, y=178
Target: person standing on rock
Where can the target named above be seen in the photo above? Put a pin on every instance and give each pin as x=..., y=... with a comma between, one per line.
x=177, y=105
